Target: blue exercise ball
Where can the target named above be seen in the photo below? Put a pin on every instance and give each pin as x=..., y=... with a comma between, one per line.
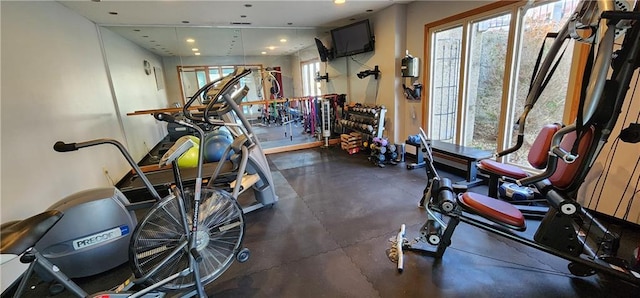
x=215, y=146
x=222, y=132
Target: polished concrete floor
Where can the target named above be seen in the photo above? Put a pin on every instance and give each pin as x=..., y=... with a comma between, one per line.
x=277, y=135
x=329, y=234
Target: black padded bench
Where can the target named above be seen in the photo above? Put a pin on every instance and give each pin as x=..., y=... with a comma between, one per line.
x=455, y=153
x=461, y=154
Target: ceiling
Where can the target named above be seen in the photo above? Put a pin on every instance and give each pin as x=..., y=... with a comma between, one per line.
x=225, y=28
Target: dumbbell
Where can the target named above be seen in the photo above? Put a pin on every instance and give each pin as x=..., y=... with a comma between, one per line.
x=393, y=155
x=370, y=128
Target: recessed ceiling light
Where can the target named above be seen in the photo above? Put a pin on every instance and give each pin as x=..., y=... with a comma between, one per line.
x=248, y=5
x=339, y=1
x=263, y=53
x=185, y=22
x=243, y=16
x=271, y=48
x=145, y=36
x=289, y=23
x=197, y=54
x=136, y=30
x=283, y=40
x=113, y=13
x=195, y=49
x=191, y=40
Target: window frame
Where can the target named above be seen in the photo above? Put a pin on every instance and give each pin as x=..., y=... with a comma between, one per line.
x=311, y=80
x=206, y=69
x=466, y=20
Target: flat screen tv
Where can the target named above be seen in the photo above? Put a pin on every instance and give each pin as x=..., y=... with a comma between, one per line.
x=352, y=39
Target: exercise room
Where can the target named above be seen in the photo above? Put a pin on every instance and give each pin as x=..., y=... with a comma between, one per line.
x=330, y=148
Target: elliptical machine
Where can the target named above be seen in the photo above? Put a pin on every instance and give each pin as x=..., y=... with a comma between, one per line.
x=244, y=155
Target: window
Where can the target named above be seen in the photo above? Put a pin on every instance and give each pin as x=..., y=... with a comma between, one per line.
x=479, y=74
x=445, y=83
x=485, y=74
x=537, y=22
x=310, y=87
x=193, y=78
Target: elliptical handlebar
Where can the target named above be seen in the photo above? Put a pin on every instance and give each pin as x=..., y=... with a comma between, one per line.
x=187, y=106
x=61, y=146
x=219, y=103
x=215, y=104
x=168, y=118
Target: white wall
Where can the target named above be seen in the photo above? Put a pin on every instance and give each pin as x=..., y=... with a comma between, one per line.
x=135, y=90
x=611, y=195
x=54, y=87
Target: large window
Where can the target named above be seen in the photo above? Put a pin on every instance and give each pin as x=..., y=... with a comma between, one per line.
x=487, y=53
x=309, y=85
x=445, y=83
x=192, y=78
x=479, y=74
x=537, y=22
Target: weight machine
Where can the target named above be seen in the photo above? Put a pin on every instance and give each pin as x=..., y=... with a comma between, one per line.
x=567, y=230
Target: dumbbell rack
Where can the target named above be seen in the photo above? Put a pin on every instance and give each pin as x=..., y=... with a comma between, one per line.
x=364, y=119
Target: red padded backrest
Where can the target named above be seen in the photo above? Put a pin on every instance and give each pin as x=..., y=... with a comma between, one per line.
x=565, y=173
x=539, y=152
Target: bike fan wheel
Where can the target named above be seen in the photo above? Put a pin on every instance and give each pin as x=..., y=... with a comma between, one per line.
x=161, y=233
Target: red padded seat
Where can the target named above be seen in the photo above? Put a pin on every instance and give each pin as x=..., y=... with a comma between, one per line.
x=539, y=151
x=537, y=157
x=495, y=210
x=502, y=169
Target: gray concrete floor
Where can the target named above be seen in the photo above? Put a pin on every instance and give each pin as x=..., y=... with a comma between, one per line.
x=329, y=233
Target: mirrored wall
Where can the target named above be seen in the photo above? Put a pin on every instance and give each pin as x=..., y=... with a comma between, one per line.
x=162, y=67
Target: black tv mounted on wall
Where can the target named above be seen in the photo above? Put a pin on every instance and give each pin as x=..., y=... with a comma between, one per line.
x=352, y=39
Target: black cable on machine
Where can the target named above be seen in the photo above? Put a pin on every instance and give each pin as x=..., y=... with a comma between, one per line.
x=625, y=216
x=603, y=177
x=611, y=154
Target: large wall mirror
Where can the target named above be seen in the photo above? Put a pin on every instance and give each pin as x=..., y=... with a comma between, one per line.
x=176, y=61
